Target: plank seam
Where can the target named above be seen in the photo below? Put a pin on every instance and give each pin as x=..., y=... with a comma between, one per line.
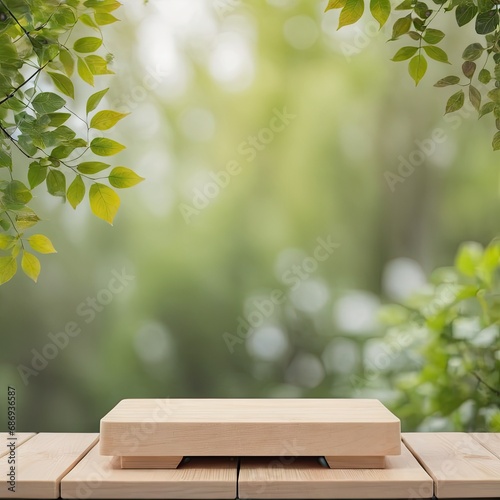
x=238, y=467
x=422, y=464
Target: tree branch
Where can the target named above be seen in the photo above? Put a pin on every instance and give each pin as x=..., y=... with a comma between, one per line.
x=6, y=98
x=481, y=381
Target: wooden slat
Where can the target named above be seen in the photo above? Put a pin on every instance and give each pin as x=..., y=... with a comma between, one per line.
x=6, y=439
x=150, y=462
x=250, y=427
x=356, y=462
x=42, y=461
x=490, y=440
x=459, y=465
x=97, y=476
x=306, y=478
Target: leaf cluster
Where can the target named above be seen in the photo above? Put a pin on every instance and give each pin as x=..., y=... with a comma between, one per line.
x=40, y=60
x=480, y=71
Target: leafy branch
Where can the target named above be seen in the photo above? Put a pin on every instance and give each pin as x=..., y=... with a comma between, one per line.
x=38, y=121
x=483, y=86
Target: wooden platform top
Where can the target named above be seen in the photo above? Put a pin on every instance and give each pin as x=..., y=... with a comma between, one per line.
x=286, y=411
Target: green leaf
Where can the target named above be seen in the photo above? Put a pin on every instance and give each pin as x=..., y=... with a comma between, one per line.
x=401, y=27
x=494, y=95
x=104, y=202
x=47, y=102
x=104, y=120
x=31, y=266
x=335, y=4
x=76, y=191
x=465, y=13
x=468, y=258
x=26, y=218
x=17, y=193
x=469, y=68
x=94, y=100
x=41, y=244
x=472, y=52
x=496, y=142
x=56, y=183
x=484, y=76
x=486, y=22
x=405, y=5
x=5, y=159
x=433, y=36
x=351, y=12
x=8, y=268
x=98, y=65
x=67, y=61
x=380, y=10
x=102, y=5
x=92, y=167
x=36, y=174
x=122, y=177
x=436, y=53
x=87, y=44
x=475, y=97
x=57, y=119
x=422, y=10
x=449, y=80
x=84, y=72
x=87, y=20
x=486, y=109
x=404, y=53
x=104, y=18
x=6, y=241
x=455, y=102
x=63, y=83
x=417, y=68
x=105, y=147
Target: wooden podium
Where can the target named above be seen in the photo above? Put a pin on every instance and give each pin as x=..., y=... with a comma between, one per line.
x=158, y=434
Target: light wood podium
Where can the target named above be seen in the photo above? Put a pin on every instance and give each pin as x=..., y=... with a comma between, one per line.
x=159, y=433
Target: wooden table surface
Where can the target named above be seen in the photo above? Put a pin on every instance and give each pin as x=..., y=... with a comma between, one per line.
x=439, y=465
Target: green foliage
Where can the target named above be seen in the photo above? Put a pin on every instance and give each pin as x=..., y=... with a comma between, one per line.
x=39, y=49
x=416, y=25
x=458, y=314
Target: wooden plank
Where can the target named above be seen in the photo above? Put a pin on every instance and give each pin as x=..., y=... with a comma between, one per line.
x=304, y=478
x=6, y=440
x=356, y=462
x=459, y=465
x=42, y=461
x=97, y=476
x=150, y=462
x=250, y=427
x=490, y=440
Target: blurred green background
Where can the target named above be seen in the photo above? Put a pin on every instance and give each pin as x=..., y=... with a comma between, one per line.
x=201, y=78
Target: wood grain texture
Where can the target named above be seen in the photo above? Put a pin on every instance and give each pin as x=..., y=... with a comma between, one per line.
x=42, y=461
x=305, y=478
x=490, y=440
x=6, y=440
x=459, y=465
x=250, y=427
x=150, y=462
x=356, y=462
x=101, y=477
